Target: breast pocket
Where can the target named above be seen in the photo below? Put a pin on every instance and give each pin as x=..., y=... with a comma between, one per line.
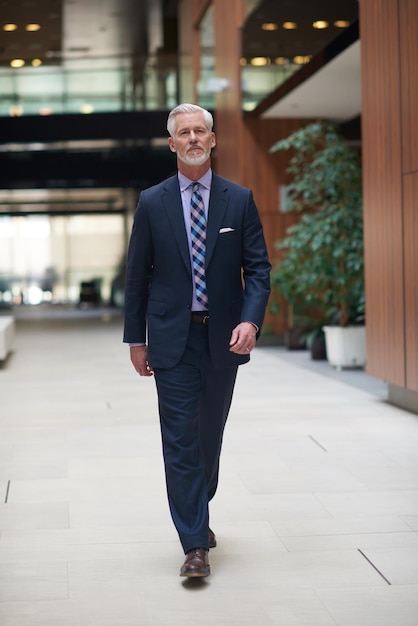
x=228, y=236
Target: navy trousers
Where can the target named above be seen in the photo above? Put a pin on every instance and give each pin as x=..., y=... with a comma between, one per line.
x=194, y=400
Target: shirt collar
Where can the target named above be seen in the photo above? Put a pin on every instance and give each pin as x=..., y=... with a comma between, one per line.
x=204, y=181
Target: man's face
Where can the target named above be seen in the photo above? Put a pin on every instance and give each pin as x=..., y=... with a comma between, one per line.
x=192, y=141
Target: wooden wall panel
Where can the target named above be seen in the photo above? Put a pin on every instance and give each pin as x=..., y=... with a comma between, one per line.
x=383, y=219
x=411, y=278
x=228, y=18
x=408, y=23
x=242, y=152
x=264, y=173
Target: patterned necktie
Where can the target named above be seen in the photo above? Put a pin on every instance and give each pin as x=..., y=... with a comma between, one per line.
x=198, y=240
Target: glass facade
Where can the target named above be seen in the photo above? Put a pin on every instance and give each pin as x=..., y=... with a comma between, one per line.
x=48, y=258
x=85, y=86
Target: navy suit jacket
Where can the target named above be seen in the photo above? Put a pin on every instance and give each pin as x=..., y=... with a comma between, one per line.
x=158, y=293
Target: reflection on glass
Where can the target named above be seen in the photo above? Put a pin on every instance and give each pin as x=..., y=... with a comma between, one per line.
x=207, y=60
x=49, y=258
x=105, y=84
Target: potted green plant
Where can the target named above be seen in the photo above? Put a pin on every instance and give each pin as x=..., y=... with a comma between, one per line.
x=324, y=250
x=286, y=300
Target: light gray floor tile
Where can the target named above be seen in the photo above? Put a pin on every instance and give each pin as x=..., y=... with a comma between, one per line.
x=398, y=564
x=411, y=521
x=370, y=503
x=6, y=453
x=348, y=525
x=4, y=487
x=372, y=606
x=406, y=540
x=318, y=494
x=341, y=568
x=34, y=469
x=34, y=515
x=33, y=581
x=307, y=481
x=385, y=478
x=115, y=467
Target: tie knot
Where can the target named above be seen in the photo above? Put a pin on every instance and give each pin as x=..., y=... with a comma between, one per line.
x=195, y=187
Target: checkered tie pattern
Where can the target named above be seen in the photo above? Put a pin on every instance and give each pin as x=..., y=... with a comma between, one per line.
x=198, y=240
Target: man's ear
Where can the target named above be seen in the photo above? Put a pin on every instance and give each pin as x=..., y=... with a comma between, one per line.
x=171, y=144
x=213, y=140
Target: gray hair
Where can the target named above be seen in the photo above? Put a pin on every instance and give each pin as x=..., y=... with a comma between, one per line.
x=187, y=108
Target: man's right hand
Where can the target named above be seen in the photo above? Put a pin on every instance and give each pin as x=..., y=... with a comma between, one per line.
x=139, y=359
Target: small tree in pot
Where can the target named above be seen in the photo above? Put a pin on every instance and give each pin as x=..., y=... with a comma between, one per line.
x=324, y=250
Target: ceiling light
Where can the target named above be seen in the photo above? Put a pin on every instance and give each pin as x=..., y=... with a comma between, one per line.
x=86, y=108
x=289, y=25
x=280, y=60
x=16, y=110
x=260, y=61
x=269, y=26
x=9, y=27
x=341, y=23
x=320, y=24
x=301, y=60
x=243, y=61
x=17, y=63
x=36, y=62
x=32, y=28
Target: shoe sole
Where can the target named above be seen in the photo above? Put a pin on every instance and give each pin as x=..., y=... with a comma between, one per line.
x=196, y=574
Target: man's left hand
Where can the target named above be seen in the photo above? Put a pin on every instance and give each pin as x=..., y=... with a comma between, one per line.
x=243, y=338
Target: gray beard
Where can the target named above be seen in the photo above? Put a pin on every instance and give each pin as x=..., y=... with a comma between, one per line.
x=199, y=161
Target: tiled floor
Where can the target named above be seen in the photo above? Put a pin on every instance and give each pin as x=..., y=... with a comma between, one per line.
x=316, y=514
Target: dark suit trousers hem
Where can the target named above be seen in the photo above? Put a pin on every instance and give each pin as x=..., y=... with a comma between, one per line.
x=194, y=401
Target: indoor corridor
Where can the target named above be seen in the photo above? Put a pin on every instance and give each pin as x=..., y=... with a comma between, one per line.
x=316, y=515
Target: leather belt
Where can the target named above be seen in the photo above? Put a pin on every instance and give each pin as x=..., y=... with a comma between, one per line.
x=200, y=317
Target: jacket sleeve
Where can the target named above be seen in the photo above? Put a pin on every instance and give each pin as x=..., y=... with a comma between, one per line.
x=255, y=265
x=138, y=275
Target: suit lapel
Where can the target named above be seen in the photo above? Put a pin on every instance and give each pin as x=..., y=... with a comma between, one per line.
x=171, y=200
x=218, y=203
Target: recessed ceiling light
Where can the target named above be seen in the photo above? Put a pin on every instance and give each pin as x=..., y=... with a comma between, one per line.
x=16, y=110
x=32, y=28
x=269, y=26
x=36, y=62
x=243, y=61
x=9, y=27
x=260, y=61
x=301, y=59
x=341, y=23
x=289, y=25
x=17, y=63
x=320, y=24
x=280, y=60
x=86, y=108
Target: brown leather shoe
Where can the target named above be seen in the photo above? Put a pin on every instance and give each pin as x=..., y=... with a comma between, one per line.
x=196, y=564
x=212, y=539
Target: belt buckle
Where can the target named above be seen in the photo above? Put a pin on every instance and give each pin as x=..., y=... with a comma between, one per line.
x=205, y=320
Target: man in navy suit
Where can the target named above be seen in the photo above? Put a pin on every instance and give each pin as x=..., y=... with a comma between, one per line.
x=193, y=312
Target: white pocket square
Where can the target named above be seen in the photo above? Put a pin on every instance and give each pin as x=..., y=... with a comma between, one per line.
x=226, y=230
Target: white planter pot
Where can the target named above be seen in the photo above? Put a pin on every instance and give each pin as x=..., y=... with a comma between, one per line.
x=346, y=347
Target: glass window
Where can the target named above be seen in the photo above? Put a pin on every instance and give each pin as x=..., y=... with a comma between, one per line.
x=47, y=258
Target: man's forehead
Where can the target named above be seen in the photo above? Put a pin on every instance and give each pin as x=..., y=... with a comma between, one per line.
x=186, y=120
